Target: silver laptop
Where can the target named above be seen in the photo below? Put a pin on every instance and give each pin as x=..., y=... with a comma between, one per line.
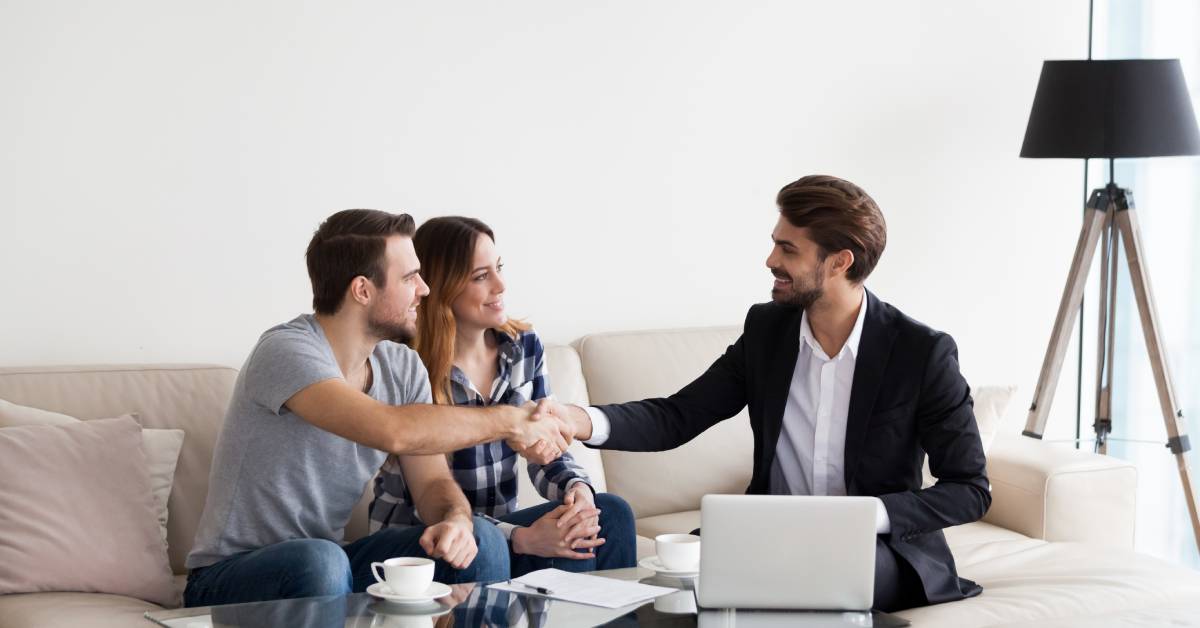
x=787, y=552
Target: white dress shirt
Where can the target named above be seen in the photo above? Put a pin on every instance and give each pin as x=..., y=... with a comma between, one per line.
x=810, y=452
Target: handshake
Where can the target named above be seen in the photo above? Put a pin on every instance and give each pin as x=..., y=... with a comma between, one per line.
x=542, y=431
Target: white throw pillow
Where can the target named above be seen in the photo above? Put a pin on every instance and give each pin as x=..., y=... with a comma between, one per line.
x=991, y=403
x=160, y=446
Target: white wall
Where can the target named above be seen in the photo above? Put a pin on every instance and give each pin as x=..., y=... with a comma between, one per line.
x=162, y=165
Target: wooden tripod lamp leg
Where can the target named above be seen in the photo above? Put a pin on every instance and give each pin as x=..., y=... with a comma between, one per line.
x=1177, y=439
x=1068, y=308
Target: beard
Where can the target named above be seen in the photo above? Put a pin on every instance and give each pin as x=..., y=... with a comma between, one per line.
x=388, y=328
x=803, y=292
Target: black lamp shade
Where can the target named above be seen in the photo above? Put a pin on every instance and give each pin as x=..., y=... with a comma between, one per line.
x=1111, y=109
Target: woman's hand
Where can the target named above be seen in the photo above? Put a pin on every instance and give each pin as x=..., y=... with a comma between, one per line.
x=548, y=539
x=580, y=499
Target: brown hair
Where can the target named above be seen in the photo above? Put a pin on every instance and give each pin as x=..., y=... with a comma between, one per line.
x=348, y=244
x=446, y=248
x=839, y=216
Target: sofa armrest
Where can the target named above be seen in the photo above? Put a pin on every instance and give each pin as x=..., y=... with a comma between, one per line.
x=1057, y=493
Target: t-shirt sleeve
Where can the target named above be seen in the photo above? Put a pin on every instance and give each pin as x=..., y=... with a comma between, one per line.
x=416, y=382
x=284, y=363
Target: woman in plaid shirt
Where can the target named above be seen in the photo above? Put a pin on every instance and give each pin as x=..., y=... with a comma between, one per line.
x=476, y=355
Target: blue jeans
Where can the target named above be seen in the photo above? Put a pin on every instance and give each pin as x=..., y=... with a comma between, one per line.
x=316, y=567
x=616, y=528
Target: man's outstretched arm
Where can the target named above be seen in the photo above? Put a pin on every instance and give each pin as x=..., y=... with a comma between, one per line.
x=418, y=428
x=666, y=422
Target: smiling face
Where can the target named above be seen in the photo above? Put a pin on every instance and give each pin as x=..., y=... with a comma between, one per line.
x=798, y=264
x=392, y=312
x=480, y=305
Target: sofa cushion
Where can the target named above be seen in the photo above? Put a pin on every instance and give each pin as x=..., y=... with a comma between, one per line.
x=160, y=446
x=635, y=365
x=671, y=523
x=1048, y=581
x=95, y=530
x=78, y=610
x=188, y=397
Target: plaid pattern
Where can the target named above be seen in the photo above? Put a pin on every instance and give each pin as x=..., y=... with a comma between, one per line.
x=501, y=609
x=486, y=472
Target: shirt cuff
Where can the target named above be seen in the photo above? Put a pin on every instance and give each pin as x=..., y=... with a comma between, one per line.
x=506, y=529
x=600, y=426
x=574, y=481
x=883, y=523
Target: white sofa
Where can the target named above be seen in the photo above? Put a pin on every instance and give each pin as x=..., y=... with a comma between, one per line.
x=1055, y=548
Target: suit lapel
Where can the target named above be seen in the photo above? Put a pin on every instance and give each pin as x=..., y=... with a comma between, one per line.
x=778, y=385
x=874, y=348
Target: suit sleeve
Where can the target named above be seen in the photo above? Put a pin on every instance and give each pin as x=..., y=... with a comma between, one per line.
x=950, y=437
x=668, y=422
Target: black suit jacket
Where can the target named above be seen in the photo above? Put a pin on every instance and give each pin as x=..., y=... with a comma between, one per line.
x=907, y=400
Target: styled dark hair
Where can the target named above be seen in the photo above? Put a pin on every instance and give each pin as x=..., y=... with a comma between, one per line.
x=349, y=244
x=446, y=247
x=839, y=216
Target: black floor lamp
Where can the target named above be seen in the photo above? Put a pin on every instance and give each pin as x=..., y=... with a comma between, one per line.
x=1112, y=109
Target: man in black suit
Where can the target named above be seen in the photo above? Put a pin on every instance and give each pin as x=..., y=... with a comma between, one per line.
x=847, y=396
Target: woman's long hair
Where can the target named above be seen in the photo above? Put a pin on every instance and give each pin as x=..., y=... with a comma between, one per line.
x=446, y=248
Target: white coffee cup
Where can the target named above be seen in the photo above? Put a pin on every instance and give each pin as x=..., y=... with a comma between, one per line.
x=678, y=552
x=405, y=576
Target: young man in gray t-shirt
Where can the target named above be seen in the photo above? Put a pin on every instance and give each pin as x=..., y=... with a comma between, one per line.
x=319, y=404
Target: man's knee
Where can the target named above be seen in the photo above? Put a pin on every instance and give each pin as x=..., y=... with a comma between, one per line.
x=491, y=561
x=312, y=567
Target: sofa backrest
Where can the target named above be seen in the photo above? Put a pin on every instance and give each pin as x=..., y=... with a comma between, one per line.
x=627, y=366
x=188, y=397
x=194, y=398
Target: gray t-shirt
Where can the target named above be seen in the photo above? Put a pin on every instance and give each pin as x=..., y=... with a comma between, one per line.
x=277, y=477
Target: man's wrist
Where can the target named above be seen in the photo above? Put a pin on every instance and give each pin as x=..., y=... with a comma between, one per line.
x=517, y=538
x=462, y=517
x=509, y=421
x=580, y=422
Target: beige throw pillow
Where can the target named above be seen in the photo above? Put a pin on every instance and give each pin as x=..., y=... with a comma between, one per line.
x=160, y=446
x=77, y=514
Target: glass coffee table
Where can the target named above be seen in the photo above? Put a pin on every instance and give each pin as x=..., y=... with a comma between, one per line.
x=476, y=604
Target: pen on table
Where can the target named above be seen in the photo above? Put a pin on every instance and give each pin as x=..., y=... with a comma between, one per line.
x=542, y=590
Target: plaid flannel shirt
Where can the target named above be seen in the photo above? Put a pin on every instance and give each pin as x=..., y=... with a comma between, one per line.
x=486, y=472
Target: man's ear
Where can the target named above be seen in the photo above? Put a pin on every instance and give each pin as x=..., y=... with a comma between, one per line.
x=361, y=290
x=842, y=261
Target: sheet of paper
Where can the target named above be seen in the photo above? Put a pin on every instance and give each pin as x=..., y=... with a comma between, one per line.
x=583, y=588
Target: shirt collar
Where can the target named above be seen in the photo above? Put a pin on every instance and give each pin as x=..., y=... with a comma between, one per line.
x=851, y=345
x=509, y=349
x=510, y=352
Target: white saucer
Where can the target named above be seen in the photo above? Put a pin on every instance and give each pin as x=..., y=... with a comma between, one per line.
x=651, y=562
x=403, y=609
x=434, y=591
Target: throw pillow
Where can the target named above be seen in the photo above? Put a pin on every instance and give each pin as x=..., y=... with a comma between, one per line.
x=94, y=530
x=161, y=447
